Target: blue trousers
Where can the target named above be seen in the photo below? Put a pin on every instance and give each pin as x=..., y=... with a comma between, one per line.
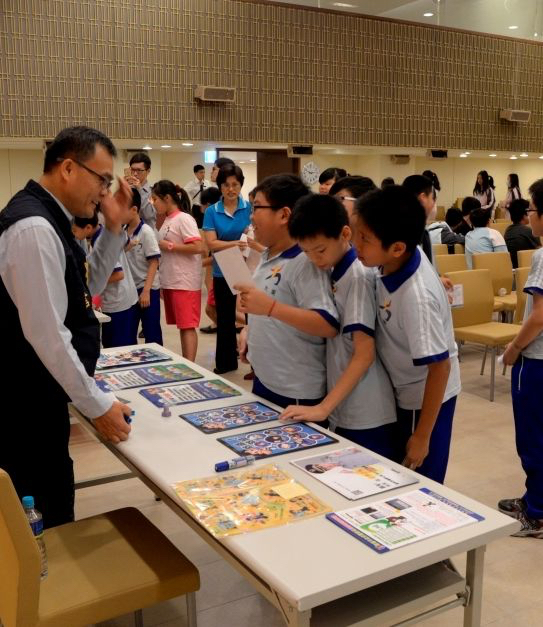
x=526, y=379
x=435, y=465
x=381, y=440
x=123, y=328
x=150, y=318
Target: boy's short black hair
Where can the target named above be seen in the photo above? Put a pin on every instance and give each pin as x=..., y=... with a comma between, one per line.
x=480, y=217
x=210, y=196
x=355, y=185
x=282, y=190
x=198, y=168
x=83, y=222
x=136, y=198
x=141, y=157
x=517, y=209
x=230, y=169
x=453, y=217
x=387, y=182
x=77, y=143
x=469, y=204
x=393, y=214
x=317, y=214
x=222, y=161
x=332, y=173
x=418, y=184
x=536, y=193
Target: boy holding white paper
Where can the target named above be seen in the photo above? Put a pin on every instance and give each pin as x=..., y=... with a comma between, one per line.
x=291, y=309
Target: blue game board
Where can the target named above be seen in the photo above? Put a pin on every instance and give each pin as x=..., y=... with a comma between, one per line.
x=234, y=417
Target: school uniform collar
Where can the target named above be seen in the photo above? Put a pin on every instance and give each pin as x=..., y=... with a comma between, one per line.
x=396, y=279
x=344, y=264
x=221, y=209
x=96, y=235
x=138, y=228
x=289, y=253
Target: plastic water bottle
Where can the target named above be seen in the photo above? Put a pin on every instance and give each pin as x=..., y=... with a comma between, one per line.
x=36, y=524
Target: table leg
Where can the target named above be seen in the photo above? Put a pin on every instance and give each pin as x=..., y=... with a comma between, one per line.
x=474, y=579
x=292, y=616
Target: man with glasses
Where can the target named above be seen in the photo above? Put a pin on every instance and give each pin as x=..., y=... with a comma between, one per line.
x=349, y=189
x=140, y=166
x=52, y=337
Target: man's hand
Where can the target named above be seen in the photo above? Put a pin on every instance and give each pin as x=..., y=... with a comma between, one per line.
x=313, y=413
x=253, y=300
x=115, y=207
x=112, y=425
x=416, y=451
x=243, y=346
x=511, y=354
x=145, y=298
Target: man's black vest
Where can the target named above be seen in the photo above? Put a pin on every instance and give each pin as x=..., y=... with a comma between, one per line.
x=25, y=368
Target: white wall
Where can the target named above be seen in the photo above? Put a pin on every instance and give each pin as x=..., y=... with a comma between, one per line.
x=18, y=166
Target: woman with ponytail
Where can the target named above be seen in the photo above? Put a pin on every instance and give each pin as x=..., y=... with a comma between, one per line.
x=484, y=192
x=180, y=267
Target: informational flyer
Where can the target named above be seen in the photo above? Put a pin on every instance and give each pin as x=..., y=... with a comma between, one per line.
x=253, y=499
x=138, y=377
x=131, y=357
x=189, y=393
x=389, y=524
x=354, y=473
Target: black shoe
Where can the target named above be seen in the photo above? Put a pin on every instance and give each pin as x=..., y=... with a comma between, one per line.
x=512, y=507
x=209, y=329
x=219, y=371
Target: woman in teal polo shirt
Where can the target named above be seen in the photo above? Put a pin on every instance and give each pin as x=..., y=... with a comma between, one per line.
x=224, y=223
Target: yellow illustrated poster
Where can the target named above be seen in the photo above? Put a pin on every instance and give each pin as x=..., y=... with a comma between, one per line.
x=249, y=500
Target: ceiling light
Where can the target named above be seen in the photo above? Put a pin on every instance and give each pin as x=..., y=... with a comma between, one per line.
x=513, y=157
x=513, y=27
x=523, y=154
x=165, y=146
x=187, y=144
x=466, y=152
x=242, y=161
x=493, y=155
x=253, y=159
x=344, y=5
x=428, y=14
x=147, y=147
x=535, y=34
x=540, y=157
x=463, y=155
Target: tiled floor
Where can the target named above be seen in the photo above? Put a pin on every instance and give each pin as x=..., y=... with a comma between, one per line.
x=483, y=465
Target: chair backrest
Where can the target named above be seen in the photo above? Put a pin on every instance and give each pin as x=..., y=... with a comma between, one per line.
x=458, y=202
x=440, y=213
x=440, y=249
x=450, y=263
x=19, y=561
x=500, y=226
x=525, y=258
x=478, y=297
x=459, y=249
x=501, y=270
x=521, y=276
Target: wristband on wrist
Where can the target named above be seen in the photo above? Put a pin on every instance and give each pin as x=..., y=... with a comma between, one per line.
x=170, y=245
x=271, y=308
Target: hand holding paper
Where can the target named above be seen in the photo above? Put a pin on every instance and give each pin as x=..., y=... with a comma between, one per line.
x=234, y=268
x=254, y=301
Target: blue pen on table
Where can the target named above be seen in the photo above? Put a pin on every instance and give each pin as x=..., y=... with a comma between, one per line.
x=127, y=417
x=237, y=462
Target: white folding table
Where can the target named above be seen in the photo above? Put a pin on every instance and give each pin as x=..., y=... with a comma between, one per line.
x=312, y=571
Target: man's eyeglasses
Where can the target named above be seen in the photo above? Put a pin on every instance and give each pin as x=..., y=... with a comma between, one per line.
x=531, y=211
x=106, y=181
x=342, y=198
x=138, y=170
x=255, y=207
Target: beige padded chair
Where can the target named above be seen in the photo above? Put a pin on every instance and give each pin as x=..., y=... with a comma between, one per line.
x=521, y=278
x=473, y=322
x=440, y=249
x=459, y=249
x=450, y=263
x=500, y=226
x=524, y=258
x=99, y=568
x=440, y=213
x=501, y=273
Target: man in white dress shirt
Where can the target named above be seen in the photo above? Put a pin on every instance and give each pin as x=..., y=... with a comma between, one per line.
x=194, y=188
x=51, y=335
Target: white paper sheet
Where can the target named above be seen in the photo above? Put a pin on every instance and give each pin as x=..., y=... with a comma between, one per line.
x=233, y=266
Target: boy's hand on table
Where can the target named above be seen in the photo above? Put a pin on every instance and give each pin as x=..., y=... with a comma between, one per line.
x=242, y=346
x=416, y=451
x=253, y=300
x=309, y=413
x=112, y=425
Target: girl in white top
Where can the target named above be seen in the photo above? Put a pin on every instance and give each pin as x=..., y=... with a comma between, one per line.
x=484, y=192
x=513, y=193
x=181, y=263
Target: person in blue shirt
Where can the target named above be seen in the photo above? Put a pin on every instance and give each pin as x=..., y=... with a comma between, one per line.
x=224, y=223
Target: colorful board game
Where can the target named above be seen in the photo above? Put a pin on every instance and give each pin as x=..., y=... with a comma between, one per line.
x=264, y=443
x=248, y=500
x=131, y=357
x=225, y=418
x=137, y=377
x=189, y=393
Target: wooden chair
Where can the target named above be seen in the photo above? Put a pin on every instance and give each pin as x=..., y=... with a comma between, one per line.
x=450, y=263
x=500, y=226
x=459, y=249
x=439, y=249
x=521, y=275
x=501, y=273
x=473, y=322
x=525, y=258
x=99, y=568
x=440, y=213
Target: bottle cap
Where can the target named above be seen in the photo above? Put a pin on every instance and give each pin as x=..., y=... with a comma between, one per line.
x=28, y=502
x=222, y=466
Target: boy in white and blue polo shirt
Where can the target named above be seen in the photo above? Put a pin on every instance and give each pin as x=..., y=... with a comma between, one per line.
x=525, y=354
x=291, y=309
x=482, y=239
x=360, y=400
x=414, y=337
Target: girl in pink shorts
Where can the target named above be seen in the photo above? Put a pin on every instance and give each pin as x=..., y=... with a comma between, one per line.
x=180, y=267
